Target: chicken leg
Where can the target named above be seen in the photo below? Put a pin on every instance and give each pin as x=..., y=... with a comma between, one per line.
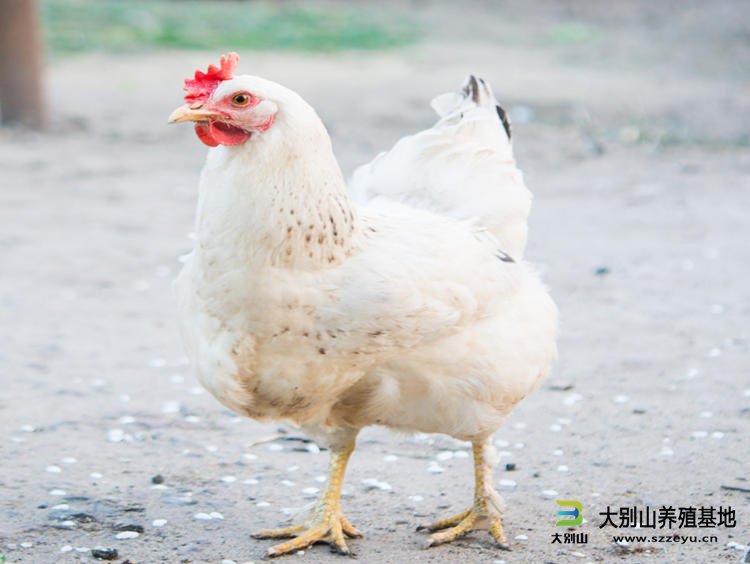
x=484, y=513
x=327, y=523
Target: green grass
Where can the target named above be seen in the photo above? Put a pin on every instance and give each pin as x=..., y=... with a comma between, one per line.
x=121, y=25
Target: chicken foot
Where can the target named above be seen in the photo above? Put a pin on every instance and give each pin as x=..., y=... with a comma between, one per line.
x=327, y=523
x=485, y=513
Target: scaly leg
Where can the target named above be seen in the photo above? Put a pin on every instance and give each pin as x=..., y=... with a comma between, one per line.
x=327, y=523
x=485, y=513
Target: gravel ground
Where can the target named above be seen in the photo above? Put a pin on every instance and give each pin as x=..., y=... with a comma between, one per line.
x=634, y=142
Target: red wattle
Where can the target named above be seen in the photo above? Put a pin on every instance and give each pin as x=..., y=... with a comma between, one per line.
x=227, y=134
x=203, y=133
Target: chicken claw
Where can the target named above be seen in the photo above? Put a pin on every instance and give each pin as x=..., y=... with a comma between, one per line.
x=484, y=514
x=327, y=523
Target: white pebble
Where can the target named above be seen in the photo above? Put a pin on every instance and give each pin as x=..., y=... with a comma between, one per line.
x=416, y=498
x=27, y=544
x=262, y=504
x=69, y=524
x=228, y=479
x=292, y=468
x=127, y=420
x=621, y=399
x=460, y=454
x=562, y=468
x=375, y=484
x=746, y=393
x=313, y=448
x=390, y=458
x=28, y=428
x=227, y=561
x=505, y=483
x=444, y=455
x=549, y=493
x=53, y=469
x=82, y=549
x=57, y=492
x=66, y=548
x=699, y=434
x=286, y=483
x=250, y=456
x=521, y=537
x=250, y=481
x=435, y=468
x=158, y=523
x=196, y=391
x=738, y=546
x=572, y=399
x=115, y=435
x=61, y=507
x=68, y=460
x=170, y=407
x=202, y=516
x=518, y=445
x=320, y=479
x=717, y=435
x=95, y=475
x=310, y=491
x=216, y=515
x=126, y=535
x=555, y=428
x=192, y=419
x=275, y=447
x=558, y=452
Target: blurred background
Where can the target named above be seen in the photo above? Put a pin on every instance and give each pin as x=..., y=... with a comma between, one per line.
x=631, y=123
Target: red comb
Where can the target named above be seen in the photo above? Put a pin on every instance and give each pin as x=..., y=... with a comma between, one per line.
x=200, y=88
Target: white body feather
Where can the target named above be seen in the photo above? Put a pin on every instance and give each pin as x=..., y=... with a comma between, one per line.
x=298, y=305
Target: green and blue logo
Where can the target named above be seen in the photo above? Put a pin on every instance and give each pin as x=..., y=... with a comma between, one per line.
x=574, y=514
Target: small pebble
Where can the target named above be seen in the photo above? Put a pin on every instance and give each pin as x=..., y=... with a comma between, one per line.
x=435, y=468
x=416, y=498
x=320, y=479
x=27, y=544
x=390, y=458
x=53, y=469
x=250, y=481
x=250, y=456
x=313, y=448
x=115, y=435
x=375, y=484
x=275, y=447
x=27, y=428
x=95, y=475
x=310, y=491
x=57, y=492
x=621, y=399
x=510, y=466
x=170, y=407
x=126, y=535
x=505, y=483
x=262, y=504
x=562, y=468
x=286, y=483
x=192, y=419
x=555, y=428
x=127, y=420
x=460, y=454
x=549, y=493
x=228, y=479
x=216, y=515
x=444, y=455
x=158, y=523
x=104, y=553
x=699, y=434
x=521, y=537
x=158, y=479
x=66, y=548
x=68, y=460
x=717, y=435
x=202, y=516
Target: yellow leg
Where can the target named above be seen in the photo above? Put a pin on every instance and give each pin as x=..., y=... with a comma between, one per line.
x=327, y=523
x=484, y=513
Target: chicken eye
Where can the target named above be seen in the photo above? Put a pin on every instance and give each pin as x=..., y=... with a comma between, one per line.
x=241, y=99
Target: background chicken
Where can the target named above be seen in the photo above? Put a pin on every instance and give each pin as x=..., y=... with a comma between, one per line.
x=402, y=311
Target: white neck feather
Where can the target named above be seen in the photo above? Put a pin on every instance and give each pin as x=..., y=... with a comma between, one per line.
x=278, y=199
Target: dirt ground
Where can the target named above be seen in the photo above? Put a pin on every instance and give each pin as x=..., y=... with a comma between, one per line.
x=632, y=129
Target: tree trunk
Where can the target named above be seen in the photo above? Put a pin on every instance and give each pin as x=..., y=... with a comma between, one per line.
x=21, y=97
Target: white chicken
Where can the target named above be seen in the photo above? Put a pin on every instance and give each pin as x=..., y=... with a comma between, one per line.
x=402, y=311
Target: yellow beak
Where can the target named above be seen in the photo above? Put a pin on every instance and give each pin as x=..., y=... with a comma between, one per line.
x=188, y=113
